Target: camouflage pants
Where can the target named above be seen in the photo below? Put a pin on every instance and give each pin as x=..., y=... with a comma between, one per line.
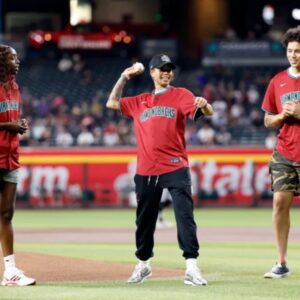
x=285, y=174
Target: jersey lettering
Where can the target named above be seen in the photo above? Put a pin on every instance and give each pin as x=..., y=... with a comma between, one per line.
x=9, y=105
x=292, y=96
x=158, y=111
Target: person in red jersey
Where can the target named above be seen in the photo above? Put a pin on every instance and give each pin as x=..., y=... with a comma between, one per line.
x=159, y=121
x=282, y=109
x=10, y=127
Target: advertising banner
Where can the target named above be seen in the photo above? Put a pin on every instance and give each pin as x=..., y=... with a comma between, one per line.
x=104, y=177
x=243, y=53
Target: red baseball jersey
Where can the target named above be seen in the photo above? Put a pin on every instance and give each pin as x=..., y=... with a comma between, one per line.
x=159, y=122
x=282, y=88
x=9, y=111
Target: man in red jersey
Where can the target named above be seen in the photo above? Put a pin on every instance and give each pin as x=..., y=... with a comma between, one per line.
x=10, y=127
x=159, y=121
x=282, y=109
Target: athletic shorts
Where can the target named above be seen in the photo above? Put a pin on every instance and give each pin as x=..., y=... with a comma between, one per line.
x=9, y=175
x=285, y=174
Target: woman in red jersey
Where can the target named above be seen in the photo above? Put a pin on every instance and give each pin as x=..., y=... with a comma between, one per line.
x=10, y=127
x=282, y=109
x=159, y=120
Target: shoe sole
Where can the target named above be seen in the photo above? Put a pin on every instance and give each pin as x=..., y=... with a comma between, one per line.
x=188, y=282
x=141, y=281
x=15, y=284
x=275, y=276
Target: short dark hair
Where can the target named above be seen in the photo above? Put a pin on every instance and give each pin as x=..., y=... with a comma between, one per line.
x=292, y=35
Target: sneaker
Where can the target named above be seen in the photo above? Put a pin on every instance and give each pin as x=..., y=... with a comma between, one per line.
x=194, y=277
x=16, y=277
x=140, y=273
x=278, y=271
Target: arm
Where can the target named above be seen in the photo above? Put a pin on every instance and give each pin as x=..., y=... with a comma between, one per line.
x=19, y=126
x=205, y=107
x=289, y=109
x=273, y=121
x=116, y=93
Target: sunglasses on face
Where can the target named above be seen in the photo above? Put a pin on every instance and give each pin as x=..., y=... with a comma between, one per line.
x=165, y=69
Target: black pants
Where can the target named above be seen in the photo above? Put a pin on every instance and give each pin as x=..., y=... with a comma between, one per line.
x=149, y=190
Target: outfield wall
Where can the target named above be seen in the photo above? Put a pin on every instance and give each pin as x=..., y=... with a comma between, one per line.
x=51, y=177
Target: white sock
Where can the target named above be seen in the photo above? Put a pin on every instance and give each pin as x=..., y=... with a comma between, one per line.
x=9, y=262
x=144, y=262
x=191, y=262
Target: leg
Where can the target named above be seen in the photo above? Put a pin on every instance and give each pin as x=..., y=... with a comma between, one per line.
x=148, y=198
x=187, y=234
x=285, y=183
x=281, y=222
x=146, y=215
x=8, y=195
x=186, y=226
x=12, y=276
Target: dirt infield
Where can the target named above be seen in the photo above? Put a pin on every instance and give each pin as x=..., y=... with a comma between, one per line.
x=47, y=268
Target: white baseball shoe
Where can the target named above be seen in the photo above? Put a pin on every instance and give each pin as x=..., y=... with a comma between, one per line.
x=194, y=277
x=140, y=273
x=16, y=277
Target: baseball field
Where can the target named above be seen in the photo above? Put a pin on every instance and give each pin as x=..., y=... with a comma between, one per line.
x=89, y=254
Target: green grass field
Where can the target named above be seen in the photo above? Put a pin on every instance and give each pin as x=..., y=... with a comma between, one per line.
x=234, y=269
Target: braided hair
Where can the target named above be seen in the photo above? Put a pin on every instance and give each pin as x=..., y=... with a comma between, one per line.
x=4, y=72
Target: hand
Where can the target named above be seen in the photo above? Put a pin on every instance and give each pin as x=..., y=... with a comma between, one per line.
x=24, y=122
x=291, y=108
x=19, y=126
x=283, y=115
x=200, y=102
x=132, y=71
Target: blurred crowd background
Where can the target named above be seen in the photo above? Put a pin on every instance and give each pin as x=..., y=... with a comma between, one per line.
x=73, y=51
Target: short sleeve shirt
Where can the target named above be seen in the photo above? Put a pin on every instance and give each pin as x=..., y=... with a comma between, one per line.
x=282, y=88
x=159, y=122
x=9, y=111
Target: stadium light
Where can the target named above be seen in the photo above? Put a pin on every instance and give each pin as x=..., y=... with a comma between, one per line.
x=296, y=13
x=268, y=14
x=80, y=12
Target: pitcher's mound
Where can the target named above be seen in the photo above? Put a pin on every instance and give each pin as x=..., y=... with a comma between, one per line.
x=45, y=268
